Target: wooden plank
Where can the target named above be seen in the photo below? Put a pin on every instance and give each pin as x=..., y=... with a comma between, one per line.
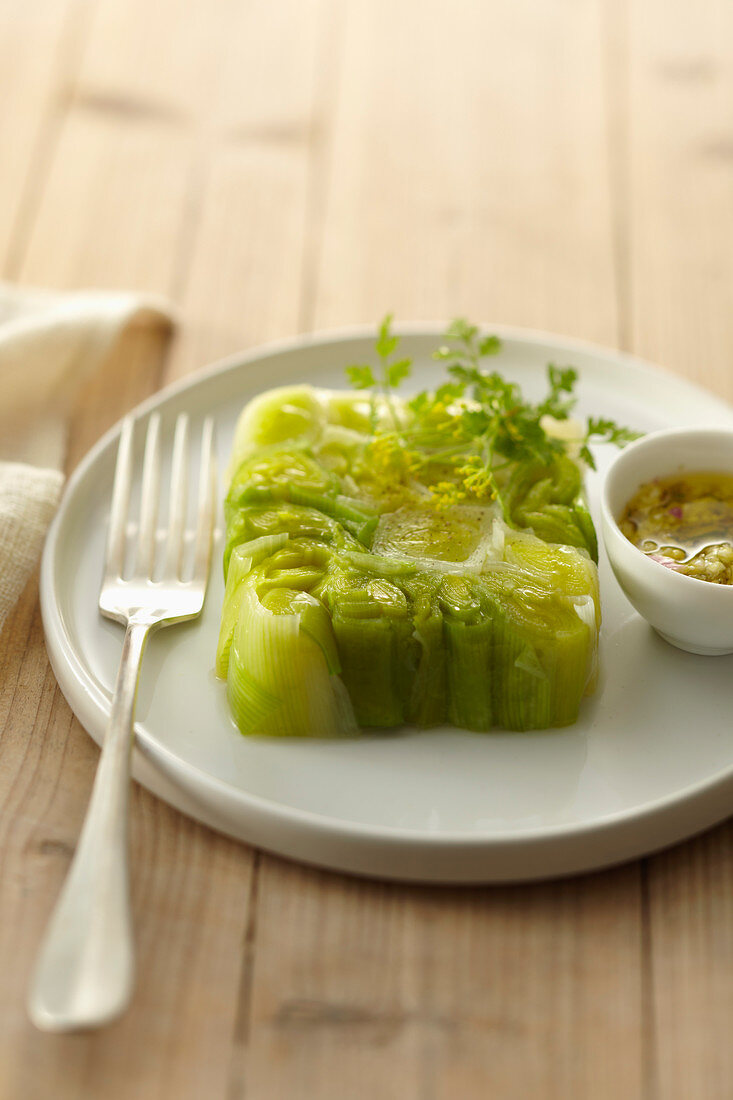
x=190, y=892
x=245, y=269
x=466, y=174
x=680, y=172
x=113, y=207
x=111, y=215
x=243, y=282
x=239, y=88
x=190, y=888
x=690, y=900
x=680, y=267
x=368, y=989
x=140, y=150
x=40, y=44
x=469, y=169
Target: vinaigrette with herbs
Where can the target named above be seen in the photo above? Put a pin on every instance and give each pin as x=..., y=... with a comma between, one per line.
x=685, y=522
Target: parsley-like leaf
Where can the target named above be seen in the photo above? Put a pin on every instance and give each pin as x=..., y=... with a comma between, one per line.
x=561, y=378
x=461, y=330
x=361, y=376
x=386, y=345
x=449, y=391
x=608, y=431
x=604, y=430
x=586, y=455
x=490, y=345
x=395, y=372
x=561, y=381
x=386, y=342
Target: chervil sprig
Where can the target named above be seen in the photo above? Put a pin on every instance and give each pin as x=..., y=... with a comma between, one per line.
x=392, y=372
x=469, y=432
x=559, y=401
x=471, y=346
x=495, y=422
x=604, y=431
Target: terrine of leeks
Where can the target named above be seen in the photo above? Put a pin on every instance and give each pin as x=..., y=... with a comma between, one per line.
x=366, y=587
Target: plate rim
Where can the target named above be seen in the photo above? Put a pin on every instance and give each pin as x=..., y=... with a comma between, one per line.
x=72, y=674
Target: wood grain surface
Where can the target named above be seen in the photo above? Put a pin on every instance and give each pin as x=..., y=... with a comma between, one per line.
x=276, y=167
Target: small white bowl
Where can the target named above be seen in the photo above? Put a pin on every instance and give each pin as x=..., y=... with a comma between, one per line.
x=692, y=614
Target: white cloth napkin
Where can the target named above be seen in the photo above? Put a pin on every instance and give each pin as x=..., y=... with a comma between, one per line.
x=48, y=344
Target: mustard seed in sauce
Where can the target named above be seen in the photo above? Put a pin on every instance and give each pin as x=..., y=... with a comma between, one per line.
x=685, y=522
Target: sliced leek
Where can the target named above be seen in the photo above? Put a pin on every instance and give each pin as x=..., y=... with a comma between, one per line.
x=353, y=601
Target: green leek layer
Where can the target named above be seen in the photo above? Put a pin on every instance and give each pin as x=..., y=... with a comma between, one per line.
x=346, y=607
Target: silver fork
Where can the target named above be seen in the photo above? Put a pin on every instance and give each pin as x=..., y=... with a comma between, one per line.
x=85, y=970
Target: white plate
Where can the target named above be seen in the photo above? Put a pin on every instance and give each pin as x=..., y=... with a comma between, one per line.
x=649, y=762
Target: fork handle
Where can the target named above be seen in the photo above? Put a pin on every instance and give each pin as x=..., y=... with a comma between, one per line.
x=85, y=970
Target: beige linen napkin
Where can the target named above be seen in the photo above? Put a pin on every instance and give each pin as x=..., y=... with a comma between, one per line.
x=48, y=344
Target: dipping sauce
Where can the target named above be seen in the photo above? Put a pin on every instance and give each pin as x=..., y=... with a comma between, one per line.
x=685, y=522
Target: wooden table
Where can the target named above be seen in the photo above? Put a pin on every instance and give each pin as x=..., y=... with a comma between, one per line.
x=294, y=165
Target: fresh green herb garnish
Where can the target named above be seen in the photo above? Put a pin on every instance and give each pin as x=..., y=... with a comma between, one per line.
x=392, y=371
x=471, y=346
x=605, y=431
x=470, y=431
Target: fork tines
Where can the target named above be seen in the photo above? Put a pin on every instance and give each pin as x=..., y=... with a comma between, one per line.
x=176, y=534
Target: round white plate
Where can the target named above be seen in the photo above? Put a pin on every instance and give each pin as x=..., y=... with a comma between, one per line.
x=649, y=762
